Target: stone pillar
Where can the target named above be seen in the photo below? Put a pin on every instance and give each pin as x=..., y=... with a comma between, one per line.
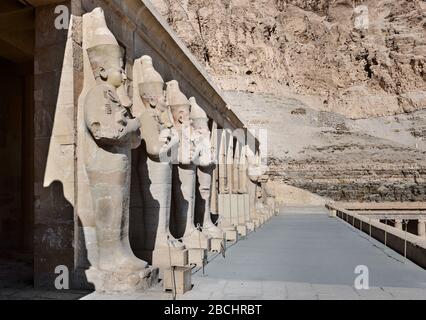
x=215, y=173
x=222, y=163
x=421, y=228
x=51, y=46
x=236, y=167
x=237, y=197
x=229, y=180
x=398, y=224
x=243, y=185
x=224, y=197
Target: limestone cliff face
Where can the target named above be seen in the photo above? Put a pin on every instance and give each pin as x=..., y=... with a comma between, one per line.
x=357, y=58
x=339, y=85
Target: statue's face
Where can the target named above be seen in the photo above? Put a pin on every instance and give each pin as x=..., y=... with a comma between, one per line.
x=201, y=126
x=180, y=114
x=116, y=76
x=153, y=95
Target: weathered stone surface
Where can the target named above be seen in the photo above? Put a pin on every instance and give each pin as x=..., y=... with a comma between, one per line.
x=356, y=59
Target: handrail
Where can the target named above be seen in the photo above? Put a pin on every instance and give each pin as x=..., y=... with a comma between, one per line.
x=409, y=245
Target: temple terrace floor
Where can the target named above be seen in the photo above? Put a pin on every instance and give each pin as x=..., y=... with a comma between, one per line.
x=301, y=254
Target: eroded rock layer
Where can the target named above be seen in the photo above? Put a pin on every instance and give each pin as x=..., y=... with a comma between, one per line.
x=358, y=58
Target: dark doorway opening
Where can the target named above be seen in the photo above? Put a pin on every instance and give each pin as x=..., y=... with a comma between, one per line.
x=16, y=144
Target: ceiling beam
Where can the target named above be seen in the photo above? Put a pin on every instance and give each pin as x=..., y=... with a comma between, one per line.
x=22, y=40
x=38, y=3
x=11, y=53
x=17, y=20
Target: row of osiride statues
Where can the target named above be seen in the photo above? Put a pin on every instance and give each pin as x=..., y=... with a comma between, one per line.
x=172, y=129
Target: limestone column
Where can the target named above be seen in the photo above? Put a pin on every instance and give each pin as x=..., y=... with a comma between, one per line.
x=230, y=180
x=238, y=205
x=215, y=173
x=252, y=181
x=224, y=203
x=222, y=164
x=421, y=228
x=243, y=185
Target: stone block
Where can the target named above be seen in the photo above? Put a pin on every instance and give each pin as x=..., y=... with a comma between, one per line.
x=231, y=235
x=250, y=226
x=246, y=206
x=217, y=244
x=256, y=222
x=234, y=209
x=197, y=256
x=241, y=208
x=122, y=282
x=242, y=230
x=163, y=258
x=177, y=279
x=225, y=207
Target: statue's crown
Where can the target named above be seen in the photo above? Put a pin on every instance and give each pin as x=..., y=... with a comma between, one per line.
x=196, y=111
x=102, y=47
x=150, y=83
x=175, y=97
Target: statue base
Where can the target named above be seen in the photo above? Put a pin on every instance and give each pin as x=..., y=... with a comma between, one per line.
x=162, y=258
x=177, y=279
x=242, y=230
x=110, y=282
x=197, y=256
x=196, y=242
x=234, y=209
x=242, y=208
x=217, y=244
x=250, y=226
x=231, y=235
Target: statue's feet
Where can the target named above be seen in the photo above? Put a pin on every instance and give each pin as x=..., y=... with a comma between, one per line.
x=194, y=238
x=213, y=231
x=168, y=241
x=225, y=225
x=121, y=262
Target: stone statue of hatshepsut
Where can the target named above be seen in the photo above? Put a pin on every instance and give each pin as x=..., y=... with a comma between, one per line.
x=159, y=138
x=178, y=162
x=107, y=133
x=205, y=161
x=184, y=175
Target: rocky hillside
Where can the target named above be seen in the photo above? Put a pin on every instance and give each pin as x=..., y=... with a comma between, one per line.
x=375, y=159
x=357, y=58
x=340, y=85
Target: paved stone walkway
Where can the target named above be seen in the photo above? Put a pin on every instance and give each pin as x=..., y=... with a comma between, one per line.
x=298, y=255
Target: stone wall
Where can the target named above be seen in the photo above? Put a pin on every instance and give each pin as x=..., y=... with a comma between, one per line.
x=357, y=182
x=54, y=216
x=58, y=238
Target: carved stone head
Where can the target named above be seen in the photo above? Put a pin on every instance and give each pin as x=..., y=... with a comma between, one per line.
x=151, y=85
x=198, y=116
x=105, y=54
x=179, y=104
